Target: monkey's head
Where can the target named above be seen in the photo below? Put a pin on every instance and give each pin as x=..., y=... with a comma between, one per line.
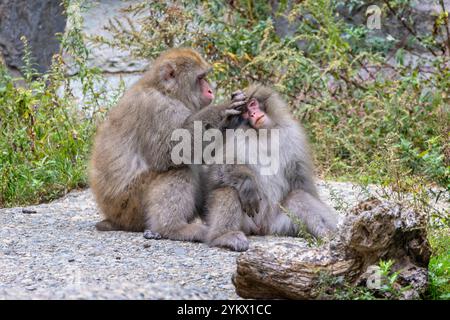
x=265, y=108
x=181, y=74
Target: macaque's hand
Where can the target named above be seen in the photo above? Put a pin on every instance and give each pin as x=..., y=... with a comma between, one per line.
x=238, y=95
x=237, y=104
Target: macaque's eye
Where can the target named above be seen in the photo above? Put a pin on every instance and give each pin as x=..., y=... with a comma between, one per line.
x=201, y=76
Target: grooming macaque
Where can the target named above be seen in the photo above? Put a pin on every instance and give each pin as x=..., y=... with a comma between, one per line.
x=242, y=201
x=136, y=185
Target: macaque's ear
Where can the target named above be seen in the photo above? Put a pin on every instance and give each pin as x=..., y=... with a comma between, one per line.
x=168, y=71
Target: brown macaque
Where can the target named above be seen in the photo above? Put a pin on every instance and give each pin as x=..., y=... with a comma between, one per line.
x=136, y=185
x=243, y=201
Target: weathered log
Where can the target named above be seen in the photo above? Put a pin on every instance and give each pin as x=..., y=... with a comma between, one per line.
x=372, y=231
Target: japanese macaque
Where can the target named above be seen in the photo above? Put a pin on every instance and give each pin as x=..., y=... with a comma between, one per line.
x=244, y=201
x=136, y=185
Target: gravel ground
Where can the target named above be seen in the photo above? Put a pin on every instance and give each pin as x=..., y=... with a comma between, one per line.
x=52, y=251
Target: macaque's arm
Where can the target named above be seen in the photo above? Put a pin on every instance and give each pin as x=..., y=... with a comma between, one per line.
x=217, y=116
x=241, y=178
x=213, y=117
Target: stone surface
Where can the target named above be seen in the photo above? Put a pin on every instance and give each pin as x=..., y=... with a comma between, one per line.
x=56, y=253
x=109, y=60
x=39, y=21
x=116, y=65
x=52, y=251
x=420, y=18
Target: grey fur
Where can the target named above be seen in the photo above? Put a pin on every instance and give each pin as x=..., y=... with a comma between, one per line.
x=240, y=190
x=136, y=185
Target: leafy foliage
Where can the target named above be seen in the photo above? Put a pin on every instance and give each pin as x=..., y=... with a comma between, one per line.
x=42, y=140
x=356, y=106
x=439, y=267
x=45, y=137
x=332, y=287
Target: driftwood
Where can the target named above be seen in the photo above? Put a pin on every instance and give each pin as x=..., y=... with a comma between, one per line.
x=372, y=231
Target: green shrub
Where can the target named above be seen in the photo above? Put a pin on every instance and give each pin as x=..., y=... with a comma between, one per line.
x=43, y=140
x=45, y=136
x=352, y=123
x=439, y=267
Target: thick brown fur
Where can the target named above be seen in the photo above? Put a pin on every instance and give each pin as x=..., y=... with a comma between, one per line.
x=245, y=202
x=136, y=185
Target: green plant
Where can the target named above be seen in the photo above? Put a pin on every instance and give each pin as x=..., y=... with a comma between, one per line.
x=45, y=136
x=390, y=287
x=339, y=288
x=439, y=267
x=349, y=120
x=302, y=230
x=41, y=140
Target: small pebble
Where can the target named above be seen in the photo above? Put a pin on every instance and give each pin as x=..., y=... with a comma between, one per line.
x=28, y=211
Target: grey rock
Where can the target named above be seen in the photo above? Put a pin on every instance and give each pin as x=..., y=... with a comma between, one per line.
x=420, y=18
x=180, y=251
x=109, y=60
x=35, y=253
x=39, y=21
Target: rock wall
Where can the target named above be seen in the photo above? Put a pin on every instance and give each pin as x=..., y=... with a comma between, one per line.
x=110, y=60
x=31, y=19
x=420, y=18
x=116, y=65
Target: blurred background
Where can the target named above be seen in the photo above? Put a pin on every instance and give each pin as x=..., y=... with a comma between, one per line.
x=369, y=80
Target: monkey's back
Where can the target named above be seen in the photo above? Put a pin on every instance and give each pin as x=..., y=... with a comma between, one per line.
x=119, y=169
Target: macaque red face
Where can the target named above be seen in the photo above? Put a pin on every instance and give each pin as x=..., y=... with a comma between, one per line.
x=258, y=118
x=206, y=93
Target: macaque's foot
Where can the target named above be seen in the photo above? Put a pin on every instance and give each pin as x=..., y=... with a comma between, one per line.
x=233, y=240
x=106, y=225
x=195, y=232
x=149, y=234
